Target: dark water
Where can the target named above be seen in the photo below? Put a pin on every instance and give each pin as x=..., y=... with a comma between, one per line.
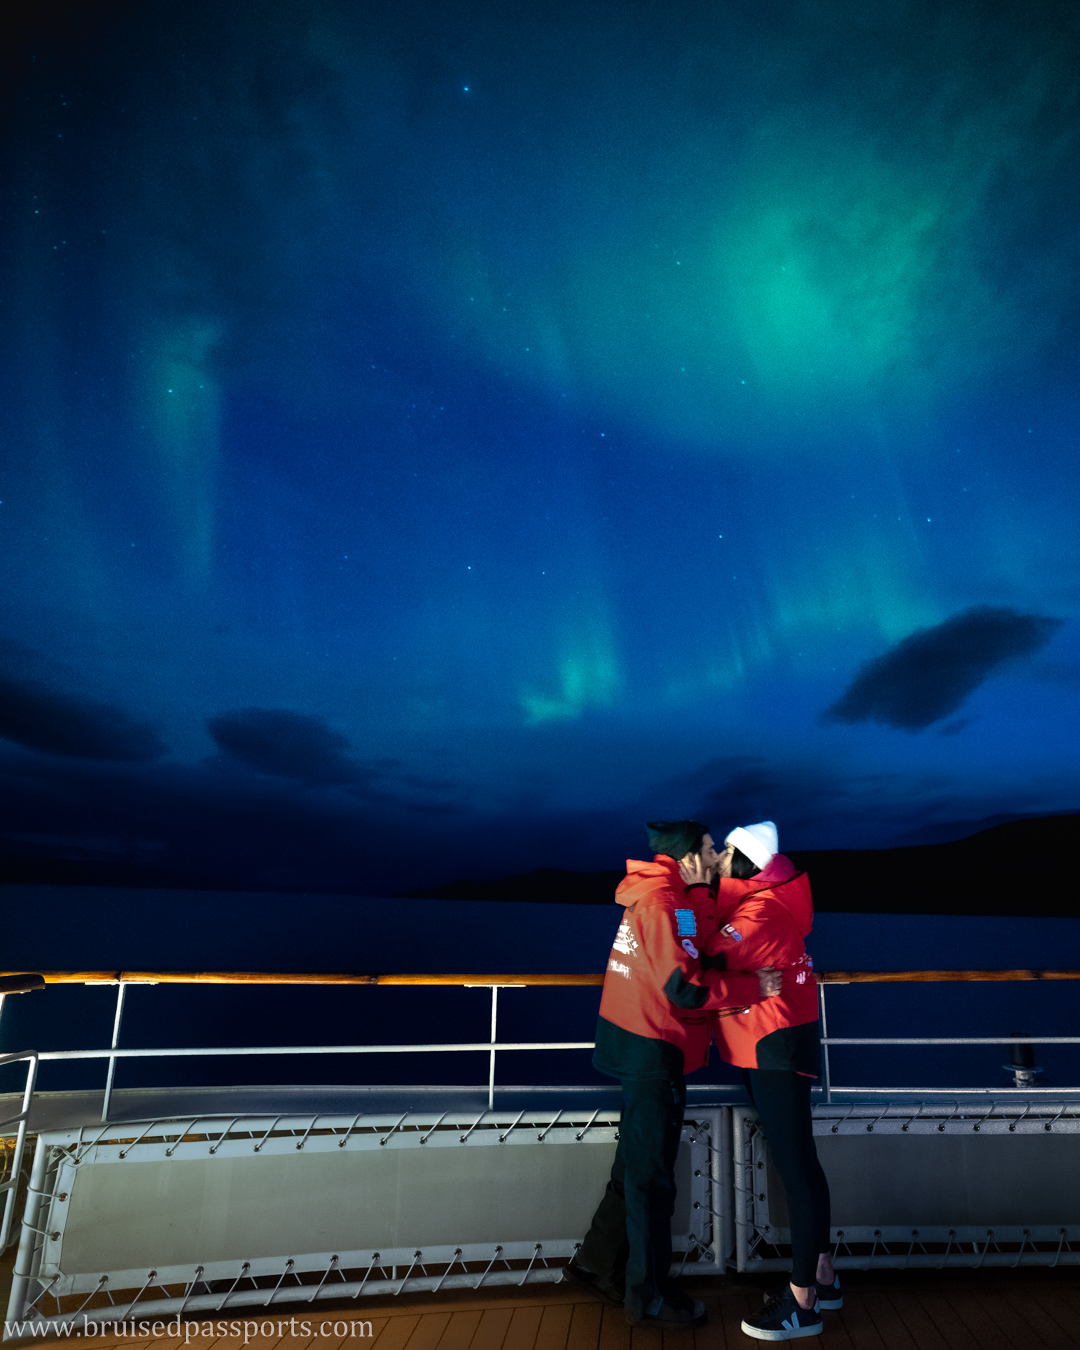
x=88, y=928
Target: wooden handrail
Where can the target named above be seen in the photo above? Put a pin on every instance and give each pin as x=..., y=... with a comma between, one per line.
x=263, y=977
x=939, y=976
x=266, y=977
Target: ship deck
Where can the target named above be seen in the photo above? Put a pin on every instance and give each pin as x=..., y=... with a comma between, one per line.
x=1035, y=1309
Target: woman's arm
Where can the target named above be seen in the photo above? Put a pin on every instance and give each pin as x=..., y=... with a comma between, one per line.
x=757, y=933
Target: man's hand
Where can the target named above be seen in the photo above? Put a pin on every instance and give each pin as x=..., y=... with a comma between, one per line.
x=769, y=981
x=693, y=870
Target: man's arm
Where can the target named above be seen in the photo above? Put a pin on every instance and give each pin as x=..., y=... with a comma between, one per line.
x=677, y=961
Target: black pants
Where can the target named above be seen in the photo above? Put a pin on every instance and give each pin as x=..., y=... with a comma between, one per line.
x=629, y=1240
x=782, y=1099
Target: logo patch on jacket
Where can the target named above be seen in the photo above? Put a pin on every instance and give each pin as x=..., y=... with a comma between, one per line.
x=732, y=932
x=689, y=947
x=687, y=922
x=619, y=968
x=625, y=941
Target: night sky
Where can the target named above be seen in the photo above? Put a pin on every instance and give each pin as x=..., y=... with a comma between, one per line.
x=438, y=436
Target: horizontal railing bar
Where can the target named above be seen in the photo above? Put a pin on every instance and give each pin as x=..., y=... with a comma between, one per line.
x=951, y=1040
x=1055, y=1093
x=281, y=977
x=474, y=1047
x=261, y=977
x=471, y=1046
x=938, y=976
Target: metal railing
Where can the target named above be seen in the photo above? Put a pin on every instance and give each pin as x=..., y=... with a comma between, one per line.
x=9, y=1188
x=121, y=979
x=845, y=977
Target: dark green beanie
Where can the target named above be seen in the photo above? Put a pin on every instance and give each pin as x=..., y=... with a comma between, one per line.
x=676, y=838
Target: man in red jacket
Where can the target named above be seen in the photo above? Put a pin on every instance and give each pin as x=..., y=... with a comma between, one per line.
x=656, y=1017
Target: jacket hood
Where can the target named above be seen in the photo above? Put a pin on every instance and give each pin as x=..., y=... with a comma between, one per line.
x=788, y=885
x=779, y=870
x=642, y=877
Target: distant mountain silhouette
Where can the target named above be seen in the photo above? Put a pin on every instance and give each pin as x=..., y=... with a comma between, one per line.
x=1023, y=867
x=947, y=832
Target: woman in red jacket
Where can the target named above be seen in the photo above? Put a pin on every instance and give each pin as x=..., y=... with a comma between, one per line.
x=765, y=913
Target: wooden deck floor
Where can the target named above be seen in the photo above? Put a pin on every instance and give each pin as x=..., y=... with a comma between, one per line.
x=985, y=1310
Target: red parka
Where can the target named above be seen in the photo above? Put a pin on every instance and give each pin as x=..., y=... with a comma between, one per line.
x=764, y=922
x=655, y=985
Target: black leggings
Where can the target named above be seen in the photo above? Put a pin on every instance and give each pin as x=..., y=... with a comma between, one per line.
x=782, y=1099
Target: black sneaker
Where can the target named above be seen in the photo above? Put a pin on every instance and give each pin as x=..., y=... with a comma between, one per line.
x=783, y=1320
x=607, y=1289
x=829, y=1297
x=673, y=1310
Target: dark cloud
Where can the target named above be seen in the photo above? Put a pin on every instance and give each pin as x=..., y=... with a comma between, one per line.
x=33, y=716
x=285, y=744
x=811, y=803
x=233, y=830
x=303, y=749
x=827, y=806
x=928, y=675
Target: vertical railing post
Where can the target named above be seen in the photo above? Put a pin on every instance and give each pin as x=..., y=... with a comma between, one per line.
x=17, y=1154
x=24, y=1260
x=491, y=1052
x=824, y=1046
x=120, y=987
x=740, y=1142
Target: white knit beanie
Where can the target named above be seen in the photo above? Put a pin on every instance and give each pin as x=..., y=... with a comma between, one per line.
x=760, y=843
